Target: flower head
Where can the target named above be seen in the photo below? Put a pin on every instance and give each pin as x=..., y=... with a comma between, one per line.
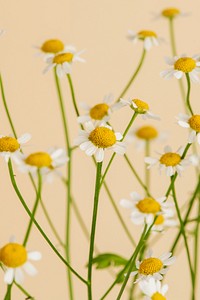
x=153, y=266
x=95, y=139
x=10, y=146
x=100, y=111
x=148, y=37
x=170, y=13
x=140, y=107
x=46, y=162
x=63, y=61
x=182, y=65
x=192, y=122
x=144, y=209
x=170, y=161
x=15, y=258
x=153, y=289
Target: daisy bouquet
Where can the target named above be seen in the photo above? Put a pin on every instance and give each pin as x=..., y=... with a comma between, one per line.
x=141, y=274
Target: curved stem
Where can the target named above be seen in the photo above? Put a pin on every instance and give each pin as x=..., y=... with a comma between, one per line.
x=73, y=94
x=38, y=195
x=93, y=228
x=182, y=230
x=14, y=184
x=196, y=244
x=147, y=172
x=133, y=76
x=188, y=94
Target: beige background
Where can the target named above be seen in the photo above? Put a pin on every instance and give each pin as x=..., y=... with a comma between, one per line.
x=101, y=28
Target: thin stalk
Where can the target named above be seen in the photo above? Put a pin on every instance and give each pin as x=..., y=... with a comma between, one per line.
x=73, y=94
x=188, y=93
x=14, y=184
x=8, y=292
x=93, y=228
x=38, y=195
x=69, y=169
x=29, y=297
x=113, y=156
x=133, y=76
x=196, y=245
x=182, y=229
x=147, y=172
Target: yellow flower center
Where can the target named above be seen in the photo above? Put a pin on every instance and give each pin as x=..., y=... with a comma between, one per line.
x=170, y=159
x=194, y=122
x=146, y=33
x=102, y=137
x=99, y=111
x=170, y=12
x=185, y=64
x=64, y=57
x=142, y=106
x=148, y=206
x=39, y=159
x=52, y=46
x=157, y=296
x=151, y=265
x=159, y=220
x=8, y=144
x=13, y=255
x=147, y=133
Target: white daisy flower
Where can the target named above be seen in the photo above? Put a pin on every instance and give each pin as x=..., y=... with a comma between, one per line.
x=15, y=258
x=95, y=139
x=10, y=146
x=50, y=48
x=144, y=209
x=63, y=61
x=153, y=266
x=165, y=220
x=192, y=122
x=182, y=65
x=149, y=38
x=140, y=107
x=100, y=111
x=153, y=289
x=141, y=135
x=46, y=162
x=170, y=161
x=170, y=13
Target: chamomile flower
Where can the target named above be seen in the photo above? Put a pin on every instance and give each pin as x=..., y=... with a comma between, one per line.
x=153, y=289
x=143, y=134
x=100, y=111
x=10, y=146
x=182, y=65
x=148, y=37
x=153, y=267
x=144, y=209
x=15, y=259
x=140, y=107
x=170, y=13
x=46, y=162
x=63, y=61
x=171, y=162
x=192, y=122
x=50, y=48
x=95, y=139
x=165, y=220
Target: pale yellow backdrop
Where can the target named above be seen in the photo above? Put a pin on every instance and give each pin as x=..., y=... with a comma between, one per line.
x=100, y=27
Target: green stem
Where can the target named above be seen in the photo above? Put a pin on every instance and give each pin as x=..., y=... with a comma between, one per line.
x=6, y=108
x=8, y=293
x=133, y=76
x=147, y=172
x=196, y=244
x=68, y=211
x=14, y=184
x=73, y=94
x=182, y=230
x=38, y=195
x=113, y=156
x=188, y=94
x=24, y=291
x=93, y=228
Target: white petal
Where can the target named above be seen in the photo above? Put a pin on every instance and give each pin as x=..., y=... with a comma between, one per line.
x=24, y=138
x=178, y=74
x=30, y=269
x=170, y=60
x=91, y=150
x=147, y=43
x=99, y=155
x=192, y=137
x=9, y=276
x=169, y=261
x=34, y=255
x=118, y=135
x=150, y=160
x=86, y=145
x=49, y=67
x=183, y=124
x=59, y=71
x=119, y=148
x=169, y=171
x=167, y=149
x=198, y=138
x=165, y=256
x=83, y=119
x=126, y=203
x=19, y=275
x=66, y=67
x=135, y=196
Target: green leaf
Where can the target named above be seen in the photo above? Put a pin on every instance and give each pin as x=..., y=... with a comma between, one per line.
x=106, y=260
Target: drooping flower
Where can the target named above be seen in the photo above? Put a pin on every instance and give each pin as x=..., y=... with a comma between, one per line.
x=170, y=161
x=15, y=258
x=153, y=289
x=10, y=146
x=170, y=13
x=153, y=267
x=95, y=139
x=63, y=61
x=182, y=65
x=192, y=122
x=148, y=37
x=140, y=107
